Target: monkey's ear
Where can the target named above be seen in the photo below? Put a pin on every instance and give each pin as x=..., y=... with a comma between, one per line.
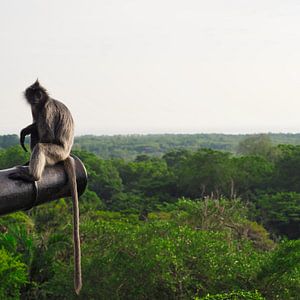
x=37, y=82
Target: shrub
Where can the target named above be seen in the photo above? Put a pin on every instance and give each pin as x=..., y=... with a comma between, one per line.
x=13, y=275
x=238, y=295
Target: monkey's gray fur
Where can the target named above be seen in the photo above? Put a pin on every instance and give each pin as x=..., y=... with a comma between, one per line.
x=51, y=140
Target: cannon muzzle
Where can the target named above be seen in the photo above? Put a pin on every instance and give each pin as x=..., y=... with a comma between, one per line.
x=19, y=195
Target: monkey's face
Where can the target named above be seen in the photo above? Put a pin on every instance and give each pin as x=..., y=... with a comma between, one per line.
x=35, y=94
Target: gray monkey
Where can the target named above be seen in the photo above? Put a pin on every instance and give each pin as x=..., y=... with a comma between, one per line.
x=51, y=140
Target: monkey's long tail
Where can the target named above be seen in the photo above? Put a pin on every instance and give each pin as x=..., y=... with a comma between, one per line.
x=70, y=169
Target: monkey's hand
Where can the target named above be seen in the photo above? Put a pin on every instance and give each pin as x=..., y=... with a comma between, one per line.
x=22, y=139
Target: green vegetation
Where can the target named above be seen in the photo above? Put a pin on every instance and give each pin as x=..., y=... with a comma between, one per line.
x=184, y=224
x=8, y=140
x=234, y=296
x=130, y=146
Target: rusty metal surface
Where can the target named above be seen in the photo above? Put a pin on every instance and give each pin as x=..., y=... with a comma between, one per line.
x=18, y=195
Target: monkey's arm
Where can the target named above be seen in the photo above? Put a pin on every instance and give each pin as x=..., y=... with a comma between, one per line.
x=31, y=129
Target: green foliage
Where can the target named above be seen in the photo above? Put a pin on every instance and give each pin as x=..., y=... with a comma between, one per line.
x=175, y=158
x=228, y=216
x=104, y=178
x=15, y=237
x=250, y=174
x=129, y=147
x=140, y=242
x=255, y=232
x=257, y=145
x=90, y=200
x=156, y=260
x=238, y=295
x=16, y=254
x=151, y=176
x=204, y=173
x=12, y=275
x=12, y=157
x=16, y=219
x=127, y=259
x=49, y=215
x=207, y=214
x=287, y=171
x=280, y=213
x=8, y=140
x=279, y=277
x=131, y=202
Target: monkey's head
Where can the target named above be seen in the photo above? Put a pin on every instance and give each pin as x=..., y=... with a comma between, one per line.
x=36, y=94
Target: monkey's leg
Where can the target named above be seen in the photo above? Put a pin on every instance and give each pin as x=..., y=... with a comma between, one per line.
x=54, y=153
x=43, y=154
x=36, y=166
x=37, y=161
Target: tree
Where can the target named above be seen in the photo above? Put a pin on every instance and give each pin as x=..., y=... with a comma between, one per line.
x=280, y=213
x=279, y=277
x=104, y=178
x=287, y=171
x=150, y=177
x=176, y=157
x=259, y=144
x=205, y=173
x=250, y=175
x=8, y=140
x=12, y=276
x=13, y=156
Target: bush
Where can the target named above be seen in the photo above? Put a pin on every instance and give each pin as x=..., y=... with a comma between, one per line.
x=239, y=295
x=155, y=260
x=279, y=277
x=13, y=275
x=280, y=213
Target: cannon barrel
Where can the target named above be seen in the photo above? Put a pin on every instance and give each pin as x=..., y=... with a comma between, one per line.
x=19, y=195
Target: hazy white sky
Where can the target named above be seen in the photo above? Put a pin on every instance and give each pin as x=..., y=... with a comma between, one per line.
x=140, y=66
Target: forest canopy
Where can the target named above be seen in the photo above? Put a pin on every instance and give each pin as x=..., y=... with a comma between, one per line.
x=183, y=223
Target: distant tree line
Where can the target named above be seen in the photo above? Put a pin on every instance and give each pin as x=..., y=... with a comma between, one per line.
x=130, y=146
x=8, y=140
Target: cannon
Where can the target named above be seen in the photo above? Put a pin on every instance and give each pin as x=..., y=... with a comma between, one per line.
x=19, y=195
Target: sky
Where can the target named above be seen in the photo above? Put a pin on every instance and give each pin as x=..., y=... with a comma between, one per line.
x=159, y=66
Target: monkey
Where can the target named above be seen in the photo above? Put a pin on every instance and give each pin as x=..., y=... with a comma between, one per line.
x=51, y=140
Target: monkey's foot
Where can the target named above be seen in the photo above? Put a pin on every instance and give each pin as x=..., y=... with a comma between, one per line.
x=21, y=174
